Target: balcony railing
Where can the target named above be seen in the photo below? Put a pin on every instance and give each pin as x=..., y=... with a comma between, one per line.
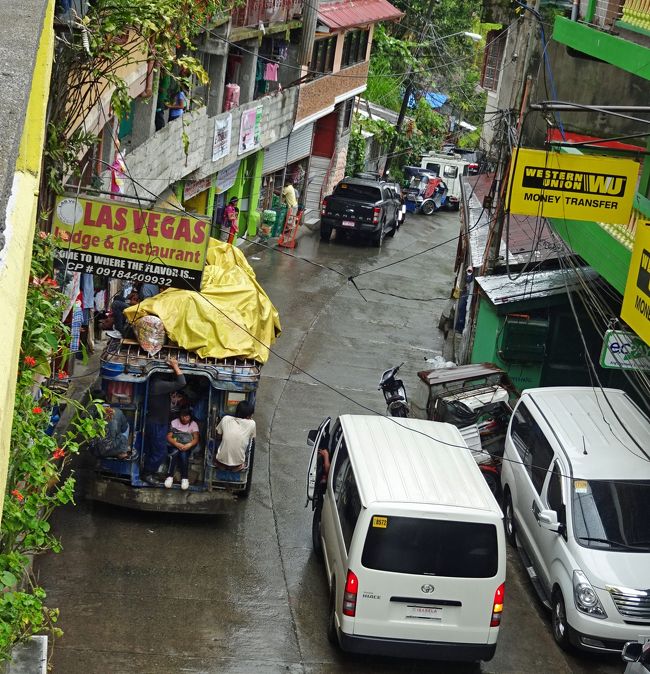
x=606, y=14
x=255, y=12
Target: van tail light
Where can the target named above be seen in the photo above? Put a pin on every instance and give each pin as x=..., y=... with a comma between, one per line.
x=323, y=207
x=497, y=607
x=350, y=596
x=375, y=215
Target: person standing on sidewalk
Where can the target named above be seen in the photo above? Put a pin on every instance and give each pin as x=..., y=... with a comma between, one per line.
x=157, y=426
x=230, y=219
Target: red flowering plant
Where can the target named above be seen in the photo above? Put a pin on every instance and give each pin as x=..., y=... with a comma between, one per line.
x=38, y=455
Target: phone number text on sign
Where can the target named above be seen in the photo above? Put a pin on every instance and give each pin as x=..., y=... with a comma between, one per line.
x=123, y=241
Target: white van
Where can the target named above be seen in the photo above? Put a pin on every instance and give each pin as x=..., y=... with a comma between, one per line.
x=412, y=540
x=576, y=485
x=451, y=168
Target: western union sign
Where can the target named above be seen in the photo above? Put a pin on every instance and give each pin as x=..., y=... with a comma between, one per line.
x=636, y=301
x=575, y=187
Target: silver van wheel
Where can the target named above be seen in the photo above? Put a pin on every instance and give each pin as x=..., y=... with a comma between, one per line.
x=509, y=519
x=559, y=622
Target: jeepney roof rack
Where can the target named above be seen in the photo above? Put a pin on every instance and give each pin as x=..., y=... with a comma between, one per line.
x=137, y=362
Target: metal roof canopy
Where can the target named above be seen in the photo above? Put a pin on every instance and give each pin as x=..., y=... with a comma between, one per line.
x=533, y=285
x=350, y=13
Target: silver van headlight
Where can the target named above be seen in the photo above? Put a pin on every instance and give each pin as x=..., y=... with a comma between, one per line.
x=585, y=597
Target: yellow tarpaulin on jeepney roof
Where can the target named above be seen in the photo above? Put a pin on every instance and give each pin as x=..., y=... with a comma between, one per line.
x=231, y=316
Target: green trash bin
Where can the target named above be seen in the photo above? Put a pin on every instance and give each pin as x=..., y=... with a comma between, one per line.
x=279, y=222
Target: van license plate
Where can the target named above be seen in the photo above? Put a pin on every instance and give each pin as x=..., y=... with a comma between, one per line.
x=348, y=223
x=424, y=612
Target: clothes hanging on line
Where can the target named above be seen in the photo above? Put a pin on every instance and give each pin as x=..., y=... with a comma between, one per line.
x=271, y=72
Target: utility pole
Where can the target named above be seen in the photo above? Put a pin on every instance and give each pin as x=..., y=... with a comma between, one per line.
x=518, y=100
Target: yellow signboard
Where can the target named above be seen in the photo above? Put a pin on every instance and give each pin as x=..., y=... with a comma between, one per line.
x=575, y=187
x=636, y=300
x=123, y=241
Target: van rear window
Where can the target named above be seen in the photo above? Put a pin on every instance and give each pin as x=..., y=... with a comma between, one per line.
x=426, y=547
x=360, y=192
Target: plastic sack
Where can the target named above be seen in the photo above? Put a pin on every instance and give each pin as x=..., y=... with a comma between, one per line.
x=150, y=333
x=439, y=363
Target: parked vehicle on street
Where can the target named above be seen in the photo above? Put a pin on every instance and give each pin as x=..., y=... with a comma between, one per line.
x=397, y=188
x=214, y=388
x=451, y=168
x=426, y=192
x=473, y=157
x=394, y=392
x=411, y=537
x=576, y=498
x=358, y=205
x=477, y=399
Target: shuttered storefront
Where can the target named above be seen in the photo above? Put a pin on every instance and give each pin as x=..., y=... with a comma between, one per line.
x=288, y=150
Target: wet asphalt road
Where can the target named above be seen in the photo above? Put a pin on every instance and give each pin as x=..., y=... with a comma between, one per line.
x=151, y=593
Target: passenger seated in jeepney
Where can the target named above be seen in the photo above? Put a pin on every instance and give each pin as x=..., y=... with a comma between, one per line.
x=114, y=442
x=183, y=436
x=236, y=433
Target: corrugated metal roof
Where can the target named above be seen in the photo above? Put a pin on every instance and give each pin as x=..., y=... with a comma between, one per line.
x=350, y=13
x=412, y=461
x=533, y=285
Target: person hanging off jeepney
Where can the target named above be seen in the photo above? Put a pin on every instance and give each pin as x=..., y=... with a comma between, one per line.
x=157, y=426
x=113, y=443
x=236, y=434
x=183, y=436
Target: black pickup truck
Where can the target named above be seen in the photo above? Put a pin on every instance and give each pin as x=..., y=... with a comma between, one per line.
x=361, y=205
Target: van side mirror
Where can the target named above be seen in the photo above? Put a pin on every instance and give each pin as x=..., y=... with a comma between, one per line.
x=632, y=651
x=547, y=519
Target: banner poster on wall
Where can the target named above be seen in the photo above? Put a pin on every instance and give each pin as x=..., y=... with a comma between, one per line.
x=636, y=300
x=222, y=137
x=571, y=187
x=122, y=241
x=250, y=131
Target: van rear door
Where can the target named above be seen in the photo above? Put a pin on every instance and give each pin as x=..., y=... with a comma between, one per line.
x=427, y=579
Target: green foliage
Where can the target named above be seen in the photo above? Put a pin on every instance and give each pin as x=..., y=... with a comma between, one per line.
x=34, y=483
x=356, y=160
x=92, y=64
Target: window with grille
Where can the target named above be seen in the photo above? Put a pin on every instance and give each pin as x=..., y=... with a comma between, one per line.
x=355, y=47
x=322, y=59
x=496, y=42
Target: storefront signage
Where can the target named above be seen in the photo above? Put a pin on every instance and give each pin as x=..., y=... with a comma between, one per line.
x=194, y=187
x=250, y=131
x=636, y=300
x=125, y=242
x=226, y=178
x=574, y=187
x=222, y=137
x=623, y=350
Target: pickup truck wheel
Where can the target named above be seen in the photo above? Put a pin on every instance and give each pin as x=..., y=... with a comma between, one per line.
x=378, y=238
x=393, y=229
x=509, y=518
x=332, y=634
x=325, y=233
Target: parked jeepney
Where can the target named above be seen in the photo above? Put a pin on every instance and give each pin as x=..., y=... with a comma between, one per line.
x=214, y=388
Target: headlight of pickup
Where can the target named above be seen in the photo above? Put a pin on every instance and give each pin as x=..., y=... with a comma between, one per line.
x=585, y=596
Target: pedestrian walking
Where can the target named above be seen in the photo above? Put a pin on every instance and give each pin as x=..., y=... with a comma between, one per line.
x=230, y=219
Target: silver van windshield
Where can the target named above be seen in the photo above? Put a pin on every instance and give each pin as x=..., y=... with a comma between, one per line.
x=612, y=515
x=427, y=547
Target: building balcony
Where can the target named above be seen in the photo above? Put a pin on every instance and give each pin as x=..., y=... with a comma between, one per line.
x=254, y=12
x=614, y=31
x=319, y=96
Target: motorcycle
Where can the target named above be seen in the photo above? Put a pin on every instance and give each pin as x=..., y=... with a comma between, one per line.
x=394, y=392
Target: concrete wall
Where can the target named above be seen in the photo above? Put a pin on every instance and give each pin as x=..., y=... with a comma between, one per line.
x=340, y=156
x=31, y=43
x=318, y=97
x=161, y=160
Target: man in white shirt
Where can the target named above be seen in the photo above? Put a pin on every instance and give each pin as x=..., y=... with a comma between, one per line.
x=236, y=432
